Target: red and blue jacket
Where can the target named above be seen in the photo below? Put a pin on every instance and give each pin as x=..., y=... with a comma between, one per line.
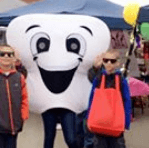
x=14, y=107
x=95, y=78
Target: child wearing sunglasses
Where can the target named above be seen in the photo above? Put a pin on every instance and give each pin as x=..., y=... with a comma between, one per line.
x=14, y=108
x=107, y=64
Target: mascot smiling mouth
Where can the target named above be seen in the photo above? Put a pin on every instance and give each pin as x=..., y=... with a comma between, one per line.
x=57, y=81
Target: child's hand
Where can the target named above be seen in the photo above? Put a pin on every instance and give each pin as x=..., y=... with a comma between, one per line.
x=98, y=60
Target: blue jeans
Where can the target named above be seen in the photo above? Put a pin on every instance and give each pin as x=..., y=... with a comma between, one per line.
x=67, y=119
x=80, y=129
x=84, y=137
x=109, y=142
x=89, y=137
x=8, y=141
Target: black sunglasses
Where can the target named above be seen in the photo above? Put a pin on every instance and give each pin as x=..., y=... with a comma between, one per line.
x=111, y=60
x=10, y=54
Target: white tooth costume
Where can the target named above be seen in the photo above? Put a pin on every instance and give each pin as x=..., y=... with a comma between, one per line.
x=57, y=50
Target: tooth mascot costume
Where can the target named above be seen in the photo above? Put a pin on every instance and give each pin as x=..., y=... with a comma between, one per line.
x=57, y=50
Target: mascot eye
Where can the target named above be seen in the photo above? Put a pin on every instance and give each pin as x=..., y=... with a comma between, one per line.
x=40, y=42
x=76, y=43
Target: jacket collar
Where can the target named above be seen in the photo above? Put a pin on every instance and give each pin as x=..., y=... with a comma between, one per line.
x=11, y=71
x=117, y=72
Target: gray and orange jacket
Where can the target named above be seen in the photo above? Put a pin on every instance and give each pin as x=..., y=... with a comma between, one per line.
x=14, y=107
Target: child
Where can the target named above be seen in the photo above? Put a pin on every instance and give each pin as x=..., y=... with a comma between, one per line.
x=13, y=99
x=107, y=64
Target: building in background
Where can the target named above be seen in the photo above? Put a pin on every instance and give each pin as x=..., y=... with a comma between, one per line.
x=6, y=5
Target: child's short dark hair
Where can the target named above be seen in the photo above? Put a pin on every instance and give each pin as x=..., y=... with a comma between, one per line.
x=115, y=52
x=5, y=45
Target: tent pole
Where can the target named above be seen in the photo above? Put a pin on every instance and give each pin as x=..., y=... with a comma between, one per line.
x=129, y=52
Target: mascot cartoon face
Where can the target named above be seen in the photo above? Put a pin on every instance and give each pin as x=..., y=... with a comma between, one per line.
x=57, y=51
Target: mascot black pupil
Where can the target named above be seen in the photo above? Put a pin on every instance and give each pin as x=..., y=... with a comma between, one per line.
x=73, y=45
x=43, y=45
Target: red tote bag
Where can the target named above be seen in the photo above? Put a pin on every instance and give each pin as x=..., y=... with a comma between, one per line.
x=106, y=115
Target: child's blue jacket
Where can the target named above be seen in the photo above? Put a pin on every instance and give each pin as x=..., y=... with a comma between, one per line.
x=125, y=95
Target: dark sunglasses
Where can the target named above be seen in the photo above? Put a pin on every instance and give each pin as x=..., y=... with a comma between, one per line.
x=9, y=54
x=111, y=60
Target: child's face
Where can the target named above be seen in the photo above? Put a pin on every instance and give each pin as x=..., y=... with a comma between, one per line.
x=110, y=62
x=7, y=58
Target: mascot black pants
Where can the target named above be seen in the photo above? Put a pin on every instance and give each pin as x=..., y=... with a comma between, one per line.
x=67, y=119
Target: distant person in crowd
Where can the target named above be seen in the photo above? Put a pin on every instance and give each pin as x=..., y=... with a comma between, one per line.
x=20, y=68
x=14, y=107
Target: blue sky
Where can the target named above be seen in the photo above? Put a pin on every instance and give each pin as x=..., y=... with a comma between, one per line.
x=124, y=2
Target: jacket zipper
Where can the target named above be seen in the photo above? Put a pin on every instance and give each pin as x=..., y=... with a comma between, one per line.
x=10, y=107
